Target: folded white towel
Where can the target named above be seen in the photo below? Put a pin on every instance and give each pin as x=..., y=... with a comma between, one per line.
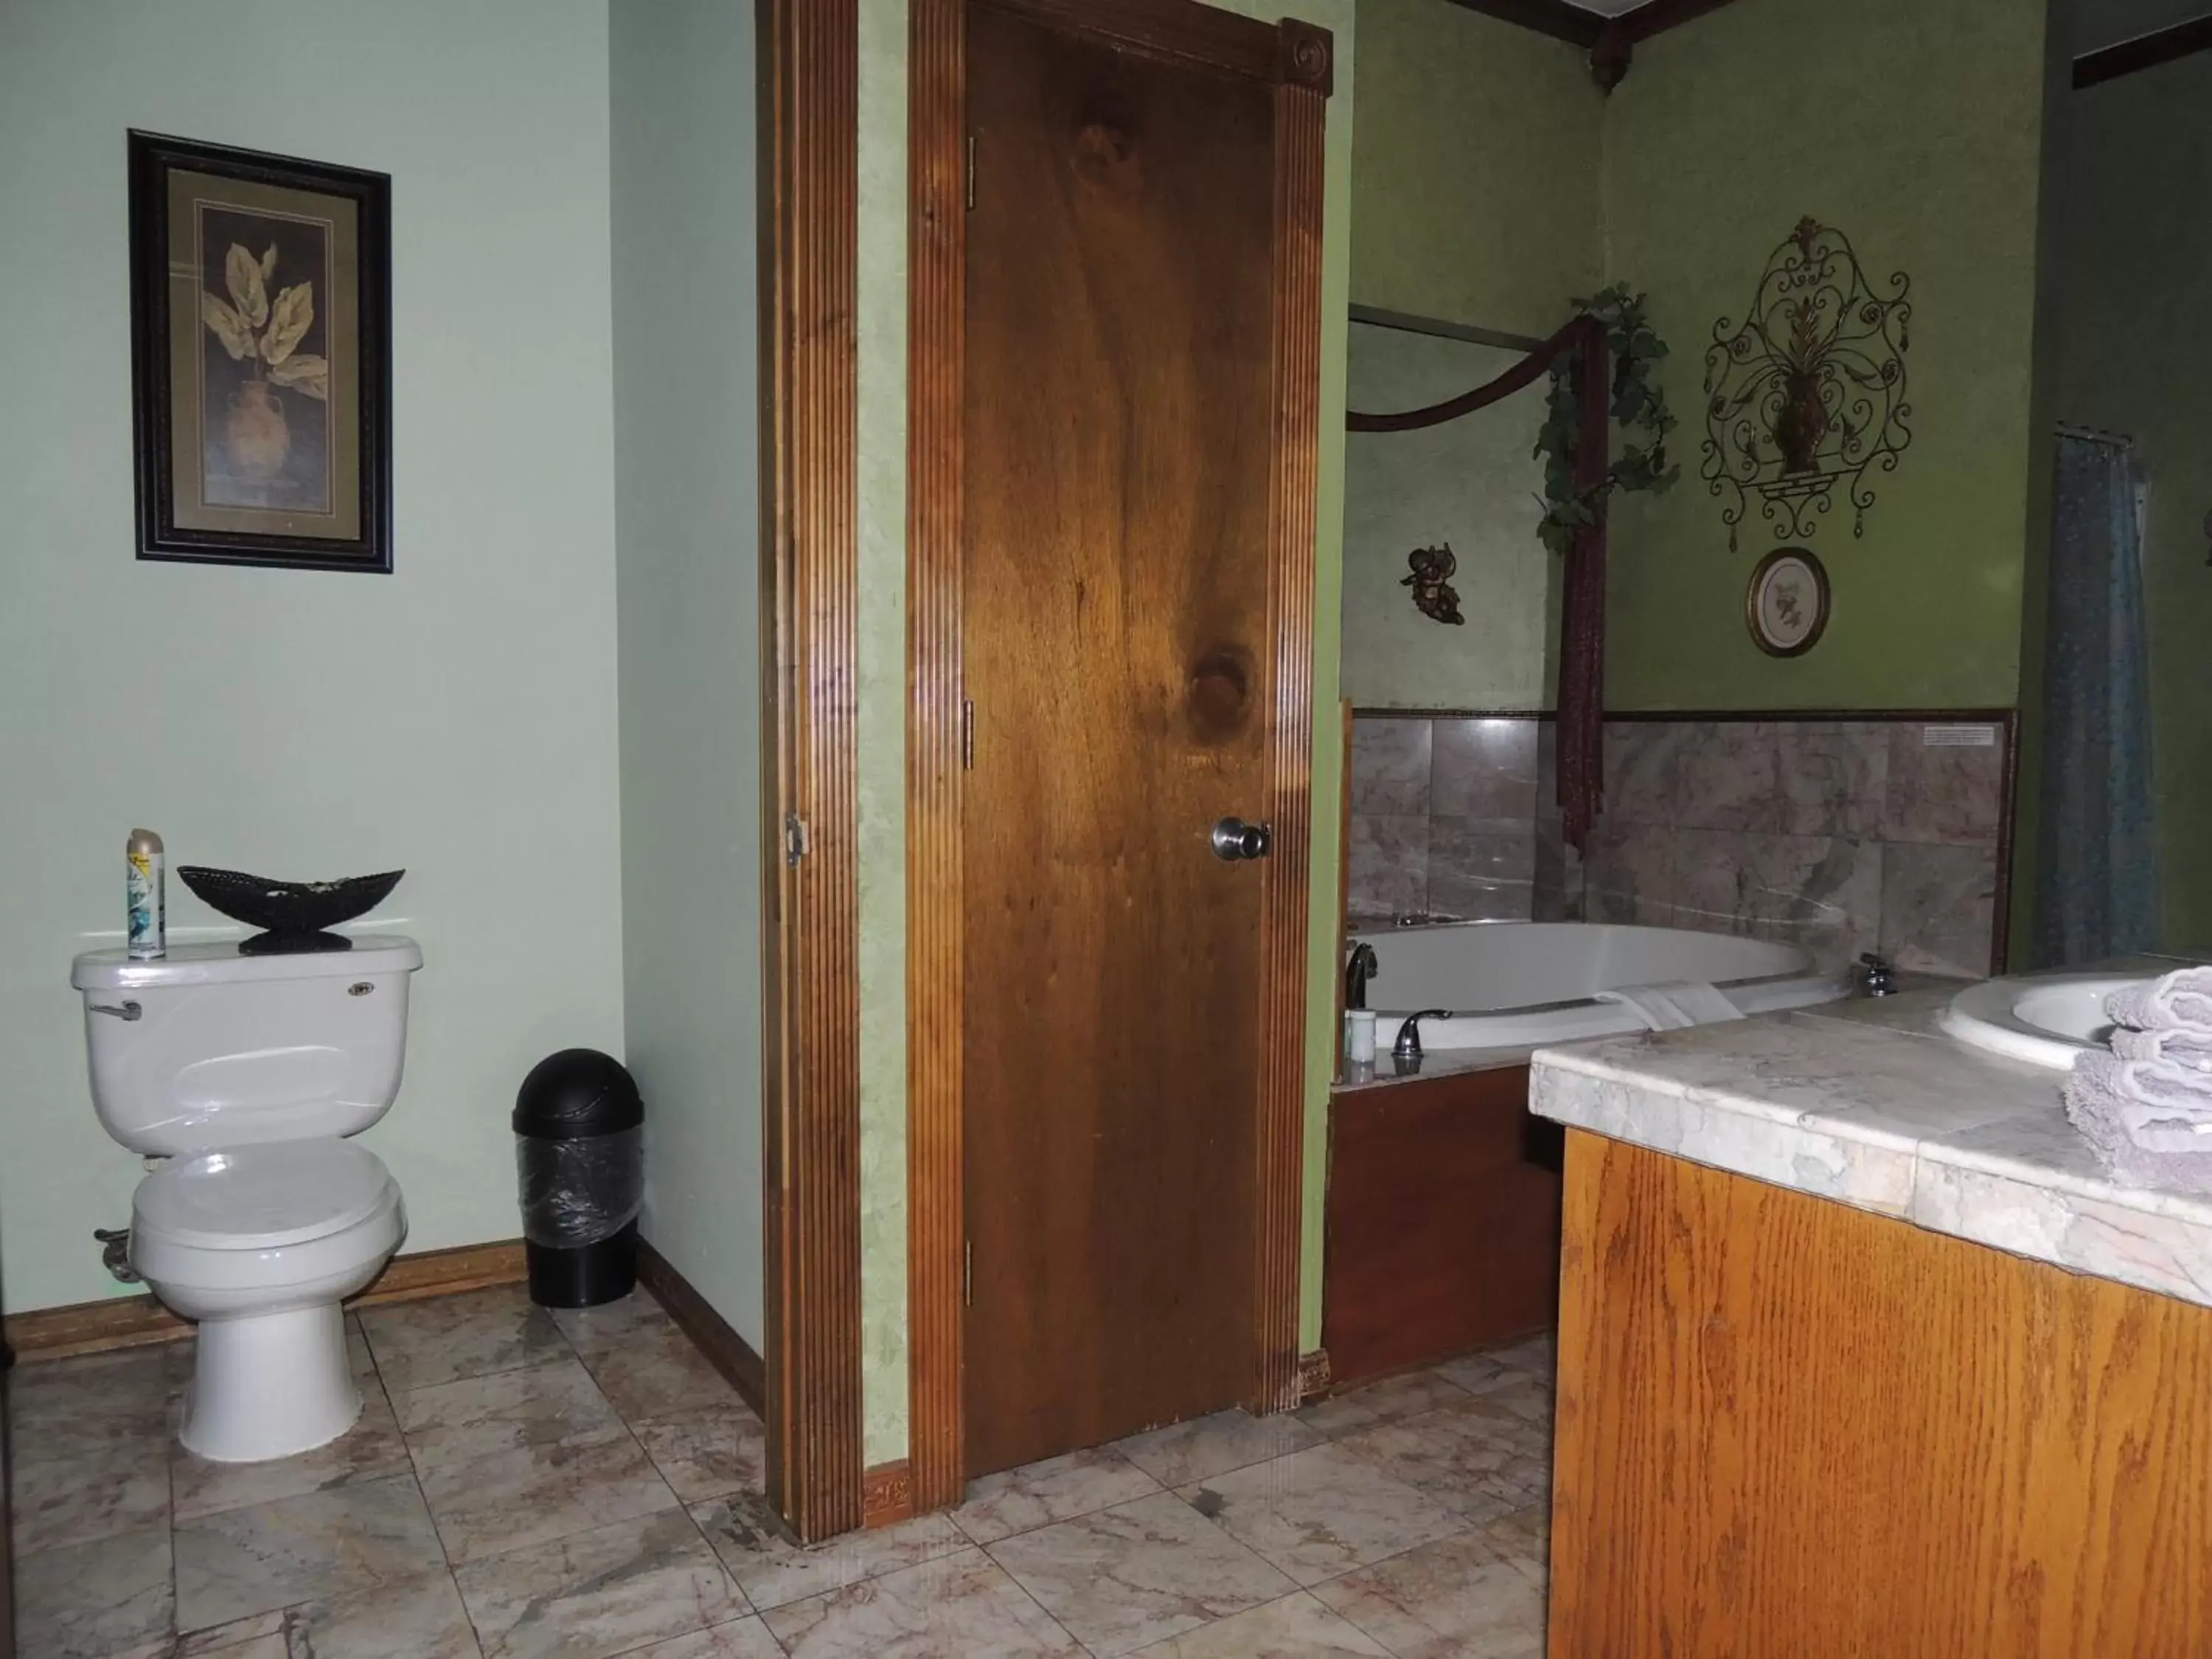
x=2101, y=1111
x=2182, y=1000
x=2160, y=1117
x=2175, y=1046
x=1674, y=1004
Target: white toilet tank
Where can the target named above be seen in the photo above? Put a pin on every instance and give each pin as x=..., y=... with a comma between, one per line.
x=207, y=1048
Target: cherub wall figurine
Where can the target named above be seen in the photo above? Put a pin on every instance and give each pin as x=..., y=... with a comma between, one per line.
x=1433, y=595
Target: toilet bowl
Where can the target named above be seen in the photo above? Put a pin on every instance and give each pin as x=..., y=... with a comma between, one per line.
x=245, y=1075
x=260, y=1245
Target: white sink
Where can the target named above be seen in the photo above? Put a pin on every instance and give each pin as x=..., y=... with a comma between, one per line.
x=2046, y=1020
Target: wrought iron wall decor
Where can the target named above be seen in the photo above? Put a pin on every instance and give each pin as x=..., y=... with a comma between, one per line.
x=1434, y=596
x=1809, y=391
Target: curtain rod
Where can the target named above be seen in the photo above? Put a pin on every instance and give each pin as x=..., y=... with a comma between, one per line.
x=2096, y=435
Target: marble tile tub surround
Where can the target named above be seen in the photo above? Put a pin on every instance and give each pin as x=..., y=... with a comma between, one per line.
x=1867, y=1104
x=581, y=1485
x=1840, y=833
x=1445, y=816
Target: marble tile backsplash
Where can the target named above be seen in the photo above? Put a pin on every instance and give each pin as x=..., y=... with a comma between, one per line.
x=1444, y=818
x=1840, y=836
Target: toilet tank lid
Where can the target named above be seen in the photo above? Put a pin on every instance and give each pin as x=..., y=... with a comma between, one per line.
x=220, y=963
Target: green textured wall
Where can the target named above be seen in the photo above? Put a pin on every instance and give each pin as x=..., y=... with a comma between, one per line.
x=1914, y=127
x=880, y=734
x=2130, y=342
x=881, y=329
x=1475, y=168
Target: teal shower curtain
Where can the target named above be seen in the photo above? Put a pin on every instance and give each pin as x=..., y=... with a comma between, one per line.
x=2096, y=878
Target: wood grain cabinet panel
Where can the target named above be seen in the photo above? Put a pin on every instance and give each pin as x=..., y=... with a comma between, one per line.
x=1443, y=1221
x=1787, y=1427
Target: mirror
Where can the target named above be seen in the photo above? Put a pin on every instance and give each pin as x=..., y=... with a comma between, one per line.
x=1473, y=484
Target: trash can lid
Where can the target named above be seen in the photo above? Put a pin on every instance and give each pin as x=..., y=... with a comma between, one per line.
x=577, y=1093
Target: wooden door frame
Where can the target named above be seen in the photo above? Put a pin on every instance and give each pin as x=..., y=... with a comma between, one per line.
x=809, y=133
x=1297, y=60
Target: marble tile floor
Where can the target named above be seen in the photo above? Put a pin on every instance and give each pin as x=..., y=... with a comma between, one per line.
x=523, y=1484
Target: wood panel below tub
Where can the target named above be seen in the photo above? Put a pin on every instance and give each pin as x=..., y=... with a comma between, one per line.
x=1789, y=1426
x=1443, y=1220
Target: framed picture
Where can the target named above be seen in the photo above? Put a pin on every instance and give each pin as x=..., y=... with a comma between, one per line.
x=1787, y=604
x=261, y=367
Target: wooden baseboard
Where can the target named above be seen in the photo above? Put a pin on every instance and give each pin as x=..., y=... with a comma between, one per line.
x=132, y=1321
x=1314, y=1376
x=887, y=1494
x=731, y=1354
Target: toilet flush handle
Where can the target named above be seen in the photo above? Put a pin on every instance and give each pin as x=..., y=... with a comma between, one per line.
x=127, y=1011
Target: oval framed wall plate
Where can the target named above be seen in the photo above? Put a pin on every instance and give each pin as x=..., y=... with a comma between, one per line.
x=1786, y=606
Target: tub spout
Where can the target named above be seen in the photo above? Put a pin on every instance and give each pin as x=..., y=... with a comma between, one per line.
x=1358, y=969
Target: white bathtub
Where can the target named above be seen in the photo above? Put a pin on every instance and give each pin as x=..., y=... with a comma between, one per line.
x=1525, y=984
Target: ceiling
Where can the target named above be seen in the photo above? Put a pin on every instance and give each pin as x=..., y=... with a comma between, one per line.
x=2097, y=23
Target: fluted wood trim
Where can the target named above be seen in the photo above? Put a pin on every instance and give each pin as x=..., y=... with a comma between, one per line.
x=937, y=258
x=1300, y=120
x=811, y=1127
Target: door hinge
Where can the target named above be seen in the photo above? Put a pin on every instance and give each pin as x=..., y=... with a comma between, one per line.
x=967, y=1272
x=967, y=735
x=971, y=173
x=795, y=845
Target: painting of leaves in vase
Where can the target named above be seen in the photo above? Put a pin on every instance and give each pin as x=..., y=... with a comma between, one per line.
x=261, y=357
x=264, y=371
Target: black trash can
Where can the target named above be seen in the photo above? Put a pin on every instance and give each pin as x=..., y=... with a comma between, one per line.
x=580, y=1150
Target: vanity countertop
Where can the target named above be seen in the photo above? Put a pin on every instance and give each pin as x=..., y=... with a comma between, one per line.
x=1867, y=1103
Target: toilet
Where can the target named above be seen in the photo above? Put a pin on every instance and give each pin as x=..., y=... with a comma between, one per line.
x=243, y=1075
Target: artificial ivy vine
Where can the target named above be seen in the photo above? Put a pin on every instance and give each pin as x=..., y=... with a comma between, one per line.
x=1638, y=406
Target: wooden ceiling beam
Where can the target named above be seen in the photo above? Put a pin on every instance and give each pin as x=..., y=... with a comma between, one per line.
x=1610, y=41
x=2144, y=51
x=1553, y=17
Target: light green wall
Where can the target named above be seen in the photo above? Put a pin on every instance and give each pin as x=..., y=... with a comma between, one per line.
x=881, y=320
x=1475, y=169
x=2131, y=343
x=1473, y=485
x=1913, y=126
x=457, y=717
x=882, y=726
x=687, y=582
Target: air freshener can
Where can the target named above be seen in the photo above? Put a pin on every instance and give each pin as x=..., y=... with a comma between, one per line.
x=149, y=907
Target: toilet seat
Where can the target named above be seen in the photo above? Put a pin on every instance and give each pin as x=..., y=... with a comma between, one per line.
x=263, y=1196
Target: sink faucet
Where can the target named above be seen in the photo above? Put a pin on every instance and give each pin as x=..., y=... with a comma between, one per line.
x=1877, y=975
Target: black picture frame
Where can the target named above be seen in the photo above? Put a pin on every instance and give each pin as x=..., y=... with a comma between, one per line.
x=356, y=430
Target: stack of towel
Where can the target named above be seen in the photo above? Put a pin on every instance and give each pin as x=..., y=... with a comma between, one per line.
x=2146, y=1106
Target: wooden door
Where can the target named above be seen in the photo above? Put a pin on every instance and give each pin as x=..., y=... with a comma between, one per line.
x=1119, y=407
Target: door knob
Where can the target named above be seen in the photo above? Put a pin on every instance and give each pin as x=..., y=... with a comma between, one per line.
x=1234, y=839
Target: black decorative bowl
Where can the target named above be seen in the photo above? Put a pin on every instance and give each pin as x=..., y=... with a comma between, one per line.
x=292, y=914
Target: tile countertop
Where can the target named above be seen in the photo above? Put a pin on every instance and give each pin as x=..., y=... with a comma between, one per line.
x=1866, y=1102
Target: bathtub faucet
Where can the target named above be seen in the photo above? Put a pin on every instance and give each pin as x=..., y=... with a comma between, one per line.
x=1408, y=1045
x=1358, y=970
